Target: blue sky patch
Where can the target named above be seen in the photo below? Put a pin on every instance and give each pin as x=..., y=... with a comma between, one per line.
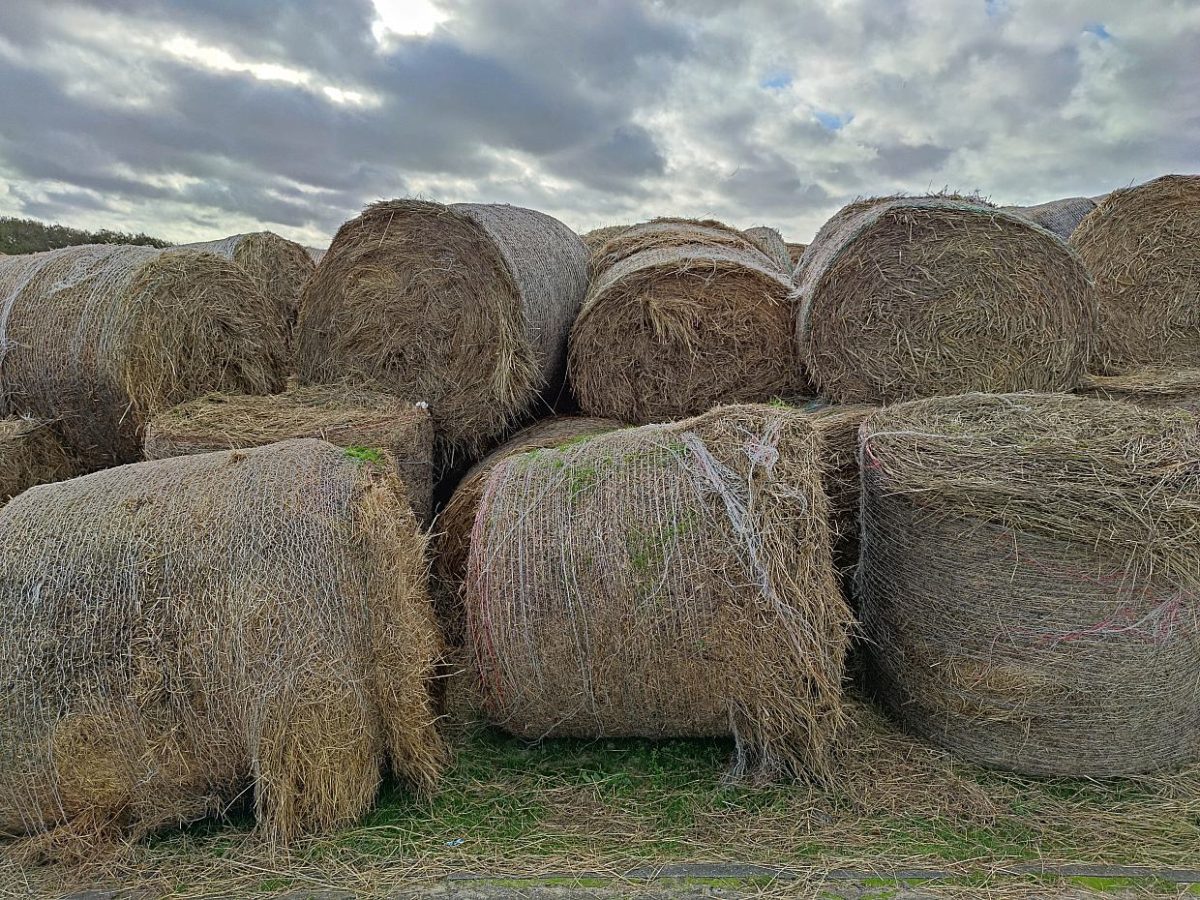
x=776, y=81
x=832, y=121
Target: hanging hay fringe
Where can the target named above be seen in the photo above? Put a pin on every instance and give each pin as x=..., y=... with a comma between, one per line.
x=665, y=581
x=1059, y=216
x=1176, y=388
x=1142, y=247
x=910, y=297
x=278, y=267
x=30, y=454
x=151, y=678
x=466, y=307
x=674, y=331
x=1029, y=579
x=770, y=243
x=99, y=338
x=368, y=422
x=668, y=234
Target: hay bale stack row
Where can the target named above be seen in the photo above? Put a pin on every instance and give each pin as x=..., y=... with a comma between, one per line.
x=1061, y=217
x=151, y=678
x=30, y=454
x=1028, y=580
x=98, y=339
x=278, y=267
x=466, y=307
x=368, y=422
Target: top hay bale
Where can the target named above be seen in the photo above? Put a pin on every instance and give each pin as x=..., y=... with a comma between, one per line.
x=795, y=252
x=1158, y=387
x=665, y=234
x=1029, y=576
x=1142, y=247
x=366, y=421
x=466, y=307
x=1059, y=216
x=30, y=453
x=598, y=237
x=772, y=245
x=152, y=678
x=278, y=267
x=100, y=338
x=662, y=581
x=910, y=297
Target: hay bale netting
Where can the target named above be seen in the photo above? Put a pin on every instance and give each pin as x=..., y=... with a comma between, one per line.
x=1171, y=388
x=278, y=267
x=911, y=297
x=30, y=453
x=1059, y=216
x=100, y=338
x=465, y=306
x=452, y=540
x=674, y=331
x=772, y=245
x=152, y=678
x=795, y=251
x=664, y=581
x=367, y=422
x=1142, y=247
x=668, y=234
x=1028, y=579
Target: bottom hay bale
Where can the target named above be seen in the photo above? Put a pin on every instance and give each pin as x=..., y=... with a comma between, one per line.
x=30, y=453
x=1170, y=388
x=669, y=580
x=152, y=678
x=368, y=421
x=1030, y=577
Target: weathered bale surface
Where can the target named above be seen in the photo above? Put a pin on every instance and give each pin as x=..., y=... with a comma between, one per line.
x=1059, y=216
x=598, y=237
x=771, y=243
x=911, y=297
x=452, y=542
x=1029, y=578
x=1142, y=247
x=466, y=307
x=668, y=234
x=1177, y=388
x=664, y=581
x=152, y=678
x=100, y=338
x=30, y=453
x=795, y=251
x=365, y=421
x=675, y=331
x=278, y=267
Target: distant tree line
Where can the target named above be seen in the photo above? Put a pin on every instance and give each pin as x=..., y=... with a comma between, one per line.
x=30, y=236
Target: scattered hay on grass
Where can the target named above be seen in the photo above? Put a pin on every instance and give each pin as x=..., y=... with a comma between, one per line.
x=1061, y=217
x=278, y=267
x=30, y=453
x=1158, y=387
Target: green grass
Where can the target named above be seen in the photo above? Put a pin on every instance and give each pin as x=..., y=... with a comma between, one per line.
x=365, y=454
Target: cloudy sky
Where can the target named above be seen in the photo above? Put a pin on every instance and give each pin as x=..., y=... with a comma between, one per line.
x=192, y=119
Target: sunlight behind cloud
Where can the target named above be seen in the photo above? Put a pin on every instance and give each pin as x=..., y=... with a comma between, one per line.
x=405, y=17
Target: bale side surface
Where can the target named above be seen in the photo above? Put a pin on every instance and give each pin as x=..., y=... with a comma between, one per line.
x=278, y=267
x=1177, y=388
x=673, y=332
x=795, y=252
x=1061, y=217
x=770, y=242
x=1029, y=579
x=914, y=297
x=30, y=453
x=664, y=581
x=153, y=678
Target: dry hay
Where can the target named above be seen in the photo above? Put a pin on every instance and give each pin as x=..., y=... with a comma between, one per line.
x=772, y=245
x=665, y=234
x=100, y=338
x=1059, y=216
x=1028, y=579
x=598, y=237
x=1159, y=387
x=152, y=678
x=466, y=307
x=366, y=421
x=1142, y=247
x=674, y=331
x=452, y=540
x=909, y=297
x=316, y=254
x=669, y=580
x=795, y=251
x=30, y=453
x=278, y=267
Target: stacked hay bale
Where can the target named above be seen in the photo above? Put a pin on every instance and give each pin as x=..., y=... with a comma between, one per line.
x=278, y=267
x=1178, y=388
x=681, y=317
x=598, y=237
x=1028, y=580
x=30, y=453
x=795, y=252
x=367, y=422
x=100, y=338
x=772, y=245
x=1059, y=216
x=316, y=254
x=152, y=678
x=910, y=297
x=466, y=307
x=664, y=581
x=1141, y=247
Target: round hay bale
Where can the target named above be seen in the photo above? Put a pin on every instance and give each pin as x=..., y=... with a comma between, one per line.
x=910, y=297
x=1141, y=247
x=466, y=307
x=316, y=254
x=1059, y=216
x=1157, y=387
x=452, y=540
x=770, y=243
x=278, y=267
x=1028, y=579
x=795, y=251
x=100, y=338
x=30, y=453
x=670, y=580
x=151, y=677
x=674, y=331
x=664, y=234
x=368, y=422
x=598, y=237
